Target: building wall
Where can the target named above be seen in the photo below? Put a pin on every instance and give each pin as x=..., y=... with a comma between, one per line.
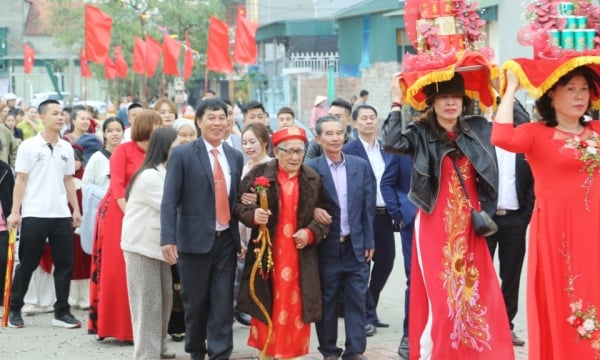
x=327, y=8
x=268, y=11
x=376, y=80
x=344, y=88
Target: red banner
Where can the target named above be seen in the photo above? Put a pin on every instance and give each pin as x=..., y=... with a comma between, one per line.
x=98, y=27
x=139, y=56
x=28, y=58
x=83, y=65
x=188, y=61
x=153, y=50
x=217, y=53
x=244, y=47
x=171, y=50
x=110, y=69
x=120, y=63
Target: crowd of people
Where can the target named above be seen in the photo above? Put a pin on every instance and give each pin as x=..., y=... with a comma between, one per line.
x=161, y=225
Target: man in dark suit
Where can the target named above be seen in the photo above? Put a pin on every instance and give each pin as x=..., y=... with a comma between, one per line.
x=367, y=147
x=395, y=184
x=515, y=206
x=199, y=232
x=344, y=255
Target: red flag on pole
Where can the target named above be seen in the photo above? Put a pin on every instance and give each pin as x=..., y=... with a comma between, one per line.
x=83, y=65
x=28, y=58
x=139, y=56
x=153, y=50
x=188, y=61
x=120, y=63
x=171, y=49
x=217, y=54
x=110, y=69
x=244, y=47
x=98, y=26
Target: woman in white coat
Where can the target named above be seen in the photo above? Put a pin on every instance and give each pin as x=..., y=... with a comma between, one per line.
x=149, y=279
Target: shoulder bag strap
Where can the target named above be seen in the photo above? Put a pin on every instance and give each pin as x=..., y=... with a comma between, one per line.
x=462, y=182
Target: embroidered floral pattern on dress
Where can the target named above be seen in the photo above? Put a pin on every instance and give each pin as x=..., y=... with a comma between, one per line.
x=461, y=276
x=586, y=150
x=583, y=319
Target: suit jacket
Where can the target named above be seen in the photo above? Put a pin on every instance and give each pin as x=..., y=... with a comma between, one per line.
x=524, y=184
x=395, y=185
x=311, y=195
x=187, y=212
x=361, y=207
x=356, y=148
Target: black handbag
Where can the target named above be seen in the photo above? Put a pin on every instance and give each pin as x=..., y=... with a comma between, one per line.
x=482, y=222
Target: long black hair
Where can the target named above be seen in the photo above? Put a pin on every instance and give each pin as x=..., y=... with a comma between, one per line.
x=158, y=152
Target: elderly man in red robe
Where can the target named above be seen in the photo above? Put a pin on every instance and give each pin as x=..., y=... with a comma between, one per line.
x=286, y=277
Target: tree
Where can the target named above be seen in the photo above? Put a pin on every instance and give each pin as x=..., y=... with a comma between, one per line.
x=139, y=18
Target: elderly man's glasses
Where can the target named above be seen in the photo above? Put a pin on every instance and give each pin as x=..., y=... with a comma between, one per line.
x=290, y=152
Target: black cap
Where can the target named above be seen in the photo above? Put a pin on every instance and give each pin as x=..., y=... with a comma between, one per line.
x=454, y=86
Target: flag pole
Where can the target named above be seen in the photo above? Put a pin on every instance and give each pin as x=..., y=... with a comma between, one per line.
x=231, y=87
x=205, y=81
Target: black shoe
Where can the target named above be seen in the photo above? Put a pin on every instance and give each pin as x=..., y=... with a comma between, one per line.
x=370, y=330
x=67, y=321
x=242, y=318
x=403, y=348
x=517, y=341
x=380, y=324
x=15, y=320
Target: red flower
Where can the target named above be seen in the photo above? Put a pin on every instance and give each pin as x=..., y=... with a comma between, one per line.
x=578, y=322
x=583, y=144
x=262, y=181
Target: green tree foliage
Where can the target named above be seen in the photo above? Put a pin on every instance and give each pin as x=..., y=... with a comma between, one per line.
x=139, y=18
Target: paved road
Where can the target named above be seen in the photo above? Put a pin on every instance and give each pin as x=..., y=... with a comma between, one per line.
x=39, y=340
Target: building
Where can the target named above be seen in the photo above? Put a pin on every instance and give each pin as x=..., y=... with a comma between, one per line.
x=371, y=42
x=55, y=69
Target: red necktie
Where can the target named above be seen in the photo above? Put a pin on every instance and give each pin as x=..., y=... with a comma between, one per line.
x=221, y=198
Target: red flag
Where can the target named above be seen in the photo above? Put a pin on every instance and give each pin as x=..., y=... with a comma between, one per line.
x=110, y=69
x=188, y=61
x=244, y=47
x=171, y=49
x=217, y=54
x=28, y=58
x=83, y=65
x=153, y=50
x=139, y=56
x=98, y=26
x=120, y=63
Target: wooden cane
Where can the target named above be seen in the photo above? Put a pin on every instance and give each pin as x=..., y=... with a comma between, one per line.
x=8, y=278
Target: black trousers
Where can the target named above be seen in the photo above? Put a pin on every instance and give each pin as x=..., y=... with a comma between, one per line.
x=207, y=294
x=34, y=232
x=383, y=263
x=510, y=241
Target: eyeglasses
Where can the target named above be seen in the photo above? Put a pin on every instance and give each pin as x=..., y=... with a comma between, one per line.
x=290, y=152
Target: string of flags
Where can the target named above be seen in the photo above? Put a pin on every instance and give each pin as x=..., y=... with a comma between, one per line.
x=147, y=52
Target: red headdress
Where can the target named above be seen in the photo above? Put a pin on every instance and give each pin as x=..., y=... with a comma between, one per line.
x=448, y=37
x=563, y=36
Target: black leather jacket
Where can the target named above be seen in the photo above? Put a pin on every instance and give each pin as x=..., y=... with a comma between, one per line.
x=417, y=140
